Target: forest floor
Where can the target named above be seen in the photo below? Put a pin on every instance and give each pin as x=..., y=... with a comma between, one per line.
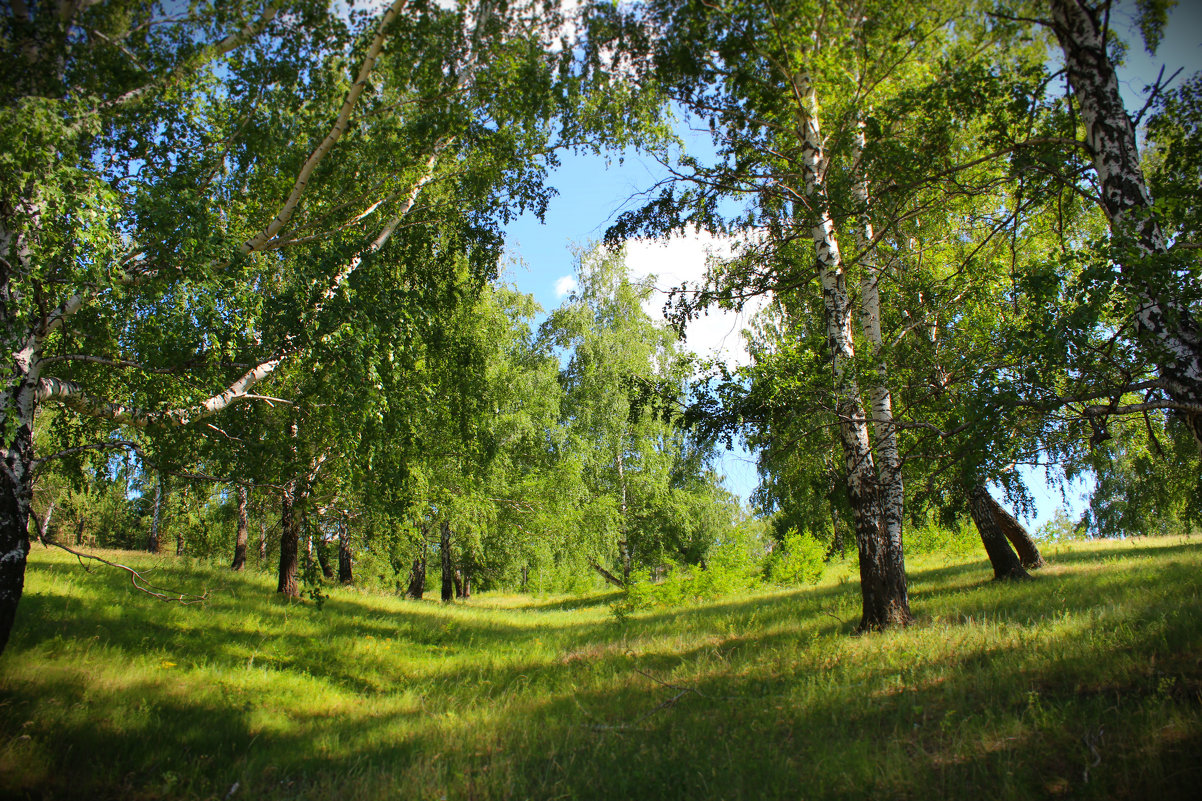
x=1085, y=682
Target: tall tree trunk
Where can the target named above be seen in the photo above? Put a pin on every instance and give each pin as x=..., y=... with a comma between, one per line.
x=1016, y=532
x=888, y=455
x=448, y=565
x=289, y=542
x=16, y=495
x=39, y=34
x=243, y=534
x=323, y=558
x=156, y=519
x=262, y=536
x=417, y=572
x=1005, y=563
x=624, y=533
x=179, y=529
x=345, y=563
x=1166, y=326
x=837, y=544
x=882, y=565
x=457, y=580
x=605, y=574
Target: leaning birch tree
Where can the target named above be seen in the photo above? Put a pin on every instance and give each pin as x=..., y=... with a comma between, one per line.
x=1167, y=326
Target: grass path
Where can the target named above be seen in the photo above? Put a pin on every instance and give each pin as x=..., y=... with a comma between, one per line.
x=1085, y=682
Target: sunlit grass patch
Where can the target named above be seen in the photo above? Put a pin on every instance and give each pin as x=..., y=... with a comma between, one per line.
x=1084, y=682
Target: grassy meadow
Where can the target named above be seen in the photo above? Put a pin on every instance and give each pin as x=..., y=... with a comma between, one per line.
x=1085, y=682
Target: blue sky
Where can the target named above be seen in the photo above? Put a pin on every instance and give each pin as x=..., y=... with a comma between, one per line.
x=593, y=190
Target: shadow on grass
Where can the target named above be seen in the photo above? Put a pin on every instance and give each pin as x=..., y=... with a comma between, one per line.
x=757, y=697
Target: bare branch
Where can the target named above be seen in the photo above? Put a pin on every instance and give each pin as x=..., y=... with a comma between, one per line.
x=111, y=445
x=136, y=578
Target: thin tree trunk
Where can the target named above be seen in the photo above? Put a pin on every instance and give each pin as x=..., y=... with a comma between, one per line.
x=43, y=525
x=1168, y=329
x=179, y=529
x=345, y=563
x=624, y=533
x=457, y=580
x=1005, y=563
x=242, y=536
x=417, y=572
x=837, y=544
x=882, y=566
x=262, y=536
x=448, y=566
x=156, y=519
x=605, y=574
x=289, y=543
x=1016, y=532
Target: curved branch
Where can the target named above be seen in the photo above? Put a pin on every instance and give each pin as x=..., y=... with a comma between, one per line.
x=71, y=395
x=340, y=125
x=137, y=579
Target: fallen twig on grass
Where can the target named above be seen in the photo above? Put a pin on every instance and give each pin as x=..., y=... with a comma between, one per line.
x=139, y=581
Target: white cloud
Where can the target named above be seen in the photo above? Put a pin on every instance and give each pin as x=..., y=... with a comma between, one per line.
x=682, y=259
x=565, y=285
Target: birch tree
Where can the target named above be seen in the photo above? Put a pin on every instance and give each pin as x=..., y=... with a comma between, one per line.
x=1166, y=320
x=759, y=74
x=165, y=175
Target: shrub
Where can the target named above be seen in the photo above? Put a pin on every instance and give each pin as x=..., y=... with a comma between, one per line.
x=800, y=559
x=931, y=537
x=727, y=571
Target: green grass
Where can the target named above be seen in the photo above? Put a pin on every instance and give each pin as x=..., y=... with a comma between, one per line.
x=1085, y=682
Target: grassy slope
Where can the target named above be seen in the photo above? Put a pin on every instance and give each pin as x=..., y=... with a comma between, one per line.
x=1085, y=682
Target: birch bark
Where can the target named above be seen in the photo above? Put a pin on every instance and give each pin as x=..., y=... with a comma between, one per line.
x=881, y=411
x=882, y=567
x=243, y=535
x=1005, y=563
x=1168, y=328
x=289, y=543
x=345, y=562
x=448, y=565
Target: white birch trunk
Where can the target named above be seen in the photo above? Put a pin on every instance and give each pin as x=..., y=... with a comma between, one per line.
x=624, y=531
x=882, y=569
x=1168, y=329
x=881, y=414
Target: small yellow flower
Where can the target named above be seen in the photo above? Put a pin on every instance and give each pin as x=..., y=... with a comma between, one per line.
x=166, y=664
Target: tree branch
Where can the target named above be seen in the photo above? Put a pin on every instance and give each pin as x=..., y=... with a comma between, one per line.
x=286, y=211
x=71, y=395
x=136, y=578
x=231, y=42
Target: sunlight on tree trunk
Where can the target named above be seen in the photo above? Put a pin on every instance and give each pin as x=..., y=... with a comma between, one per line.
x=243, y=534
x=1003, y=559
